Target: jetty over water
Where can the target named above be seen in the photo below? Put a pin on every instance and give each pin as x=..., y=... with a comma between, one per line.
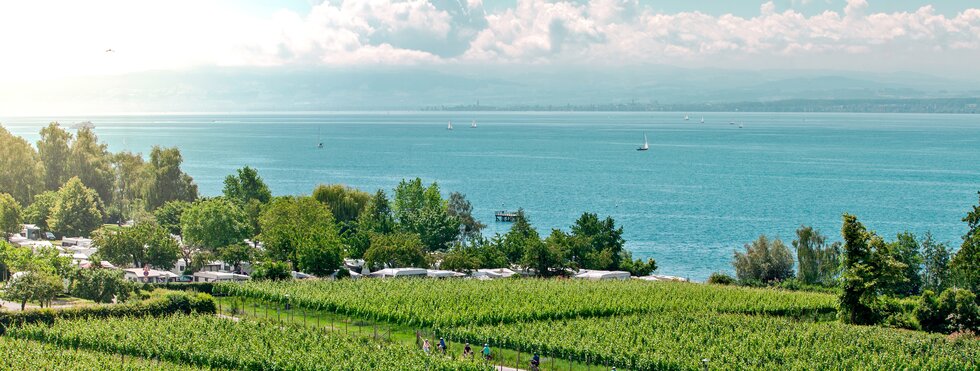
x=505, y=216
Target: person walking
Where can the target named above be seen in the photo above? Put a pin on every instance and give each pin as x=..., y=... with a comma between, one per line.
x=425, y=346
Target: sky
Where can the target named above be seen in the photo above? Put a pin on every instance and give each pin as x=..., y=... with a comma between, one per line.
x=48, y=42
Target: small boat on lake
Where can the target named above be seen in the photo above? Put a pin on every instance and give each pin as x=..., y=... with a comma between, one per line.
x=646, y=144
x=687, y=118
x=450, y=127
x=473, y=124
x=702, y=119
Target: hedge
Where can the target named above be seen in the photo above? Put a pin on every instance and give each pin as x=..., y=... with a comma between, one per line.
x=204, y=287
x=169, y=303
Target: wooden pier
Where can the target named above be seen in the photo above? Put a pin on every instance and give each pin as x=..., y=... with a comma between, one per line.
x=505, y=216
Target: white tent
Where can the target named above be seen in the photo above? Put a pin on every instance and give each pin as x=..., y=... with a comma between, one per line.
x=495, y=272
x=399, y=272
x=434, y=273
x=661, y=277
x=597, y=275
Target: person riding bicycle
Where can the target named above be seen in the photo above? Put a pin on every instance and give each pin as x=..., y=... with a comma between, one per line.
x=467, y=351
x=535, y=362
x=486, y=351
x=442, y=345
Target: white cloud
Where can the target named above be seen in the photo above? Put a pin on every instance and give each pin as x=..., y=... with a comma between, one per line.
x=49, y=39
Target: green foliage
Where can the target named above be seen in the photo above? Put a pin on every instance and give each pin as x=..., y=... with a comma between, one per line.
x=546, y=258
x=301, y=230
x=765, y=261
x=101, y=285
x=130, y=171
x=461, y=259
x=966, y=262
x=237, y=345
x=636, y=267
x=91, y=163
x=819, y=263
x=271, y=271
x=54, y=152
x=214, y=223
x=461, y=209
x=33, y=286
x=520, y=235
x=18, y=354
x=936, y=275
x=39, y=211
x=603, y=243
x=345, y=203
x=236, y=254
x=954, y=310
x=905, y=250
x=77, y=210
x=396, y=250
x=247, y=185
x=422, y=210
x=869, y=268
x=166, y=182
x=718, y=278
x=20, y=168
x=10, y=215
x=168, y=215
x=377, y=216
x=139, y=245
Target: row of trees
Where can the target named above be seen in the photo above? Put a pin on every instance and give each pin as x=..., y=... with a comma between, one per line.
x=122, y=185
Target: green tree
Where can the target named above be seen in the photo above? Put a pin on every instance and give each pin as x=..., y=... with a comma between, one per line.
x=127, y=199
x=422, y=210
x=547, y=257
x=377, y=216
x=345, y=203
x=168, y=215
x=10, y=215
x=460, y=208
x=37, y=286
x=869, y=268
x=906, y=250
x=139, y=245
x=953, y=310
x=461, y=258
x=396, y=250
x=520, y=235
x=53, y=150
x=935, y=268
x=245, y=186
x=819, y=263
x=77, y=210
x=91, y=162
x=20, y=168
x=966, y=262
x=39, y=211
x=637, y=267
x=604, y=242
x=301, y=230
x=165, y=181
x=101, y=285
x=765, y=261
x=214, y=223
x=271, y=271
x=237, y=254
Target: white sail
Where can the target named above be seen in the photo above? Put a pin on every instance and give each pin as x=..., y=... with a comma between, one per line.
x=702, y=119
x=646, y=144
x=450, y=127
x=687, y=117
x=473, y=124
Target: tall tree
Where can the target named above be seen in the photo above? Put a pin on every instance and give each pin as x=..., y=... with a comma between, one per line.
x=10, y=215
x=935, y=268
x=214, y=223
x=966, y=262
x=20, y=168
x=906, y=250
x=461, y=208
x=547, y=257
x=396, y=250
x=422, y=210
x=168, y=215
x=764, y=261
x=91, y=162
x=818, y=262
x=604, y=239
x=166, y=182
x=345, y=203
x=53, y=150
x=377, y=216
x=146, y=243
x=39, y=211
x=129, y=170
x=77, y=211
x=869, y=268
x=246, y=185
x=301, y=230
x=521, y=234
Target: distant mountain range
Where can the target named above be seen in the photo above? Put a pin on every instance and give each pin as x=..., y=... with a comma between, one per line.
x=539, y=87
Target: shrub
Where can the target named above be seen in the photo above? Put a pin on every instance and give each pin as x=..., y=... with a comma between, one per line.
x=954, y=310
x=764, y=260
x=718, y=278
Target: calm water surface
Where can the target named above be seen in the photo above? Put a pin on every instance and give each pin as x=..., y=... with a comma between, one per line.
x=701, y=191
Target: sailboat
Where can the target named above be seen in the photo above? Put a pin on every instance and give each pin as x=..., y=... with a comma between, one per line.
x=739, y=125
x=473, y=124
x=319, y=142
x=450, y=127
x=646, y=144
x=687, y=118
x=702, y=119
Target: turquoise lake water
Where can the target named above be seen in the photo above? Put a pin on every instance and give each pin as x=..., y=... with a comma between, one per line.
x=701, y=191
